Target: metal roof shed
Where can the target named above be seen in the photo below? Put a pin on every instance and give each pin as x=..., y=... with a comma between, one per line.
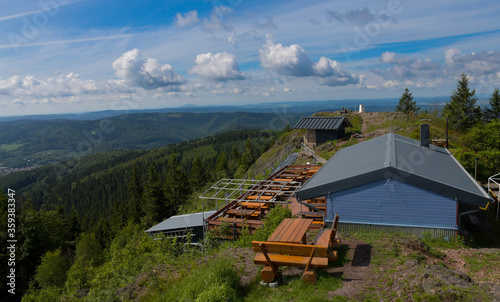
x=181, y=226
x=394, y=180
x=321, y=129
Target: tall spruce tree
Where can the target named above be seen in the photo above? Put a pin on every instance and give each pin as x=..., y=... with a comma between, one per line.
x=199, y=174
x=462, y=111
x=135, y=209
x=493, y=112
x=406, y=103
x=177, y=189
x=156, y=206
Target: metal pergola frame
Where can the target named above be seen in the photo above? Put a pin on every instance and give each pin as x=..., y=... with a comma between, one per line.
x=239, y=189
x=229, y=190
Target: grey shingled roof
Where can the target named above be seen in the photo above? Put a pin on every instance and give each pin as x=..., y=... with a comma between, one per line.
x=181, y=222
x=323, y=122
x=401, y=158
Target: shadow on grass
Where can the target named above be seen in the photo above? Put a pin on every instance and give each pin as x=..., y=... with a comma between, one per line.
x=362, y=255
x=341, y=256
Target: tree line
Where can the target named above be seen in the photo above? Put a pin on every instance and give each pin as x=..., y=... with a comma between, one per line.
x=479, y=128
x=102, y=193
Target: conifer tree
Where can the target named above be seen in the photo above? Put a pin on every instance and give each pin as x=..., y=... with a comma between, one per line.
x=247, y=157
x=177, y=189
x=136, y=196
x=462, y=111
x=156, y=207
x=199, y=174
x=221, y=165
x=406, y=103
x=494, y=111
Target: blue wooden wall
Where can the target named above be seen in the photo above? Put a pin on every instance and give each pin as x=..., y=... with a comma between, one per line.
x=391, y=202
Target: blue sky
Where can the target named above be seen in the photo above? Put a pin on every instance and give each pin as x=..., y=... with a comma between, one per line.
x=73, y=56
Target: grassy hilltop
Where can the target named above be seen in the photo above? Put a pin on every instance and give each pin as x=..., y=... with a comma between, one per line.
x=126, y=265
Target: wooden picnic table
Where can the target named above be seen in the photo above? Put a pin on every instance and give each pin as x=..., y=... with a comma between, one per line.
x=291, y=230
x=240, y=212
x=262, y=197
x=254, y=205
x=283, y=179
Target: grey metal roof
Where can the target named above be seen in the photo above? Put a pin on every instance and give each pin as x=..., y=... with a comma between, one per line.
x=287, y=161
x=181, y=222
x=397, y=157
x=323, y=122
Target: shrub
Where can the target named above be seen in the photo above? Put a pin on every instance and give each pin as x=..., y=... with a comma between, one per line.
x=216, y=281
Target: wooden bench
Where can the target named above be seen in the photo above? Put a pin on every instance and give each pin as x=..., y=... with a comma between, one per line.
x=254, y=205
x=283, y=179
x=276, y=254
x=327, y=237
x=240, y=212
x=311, y=214
x=320, y=206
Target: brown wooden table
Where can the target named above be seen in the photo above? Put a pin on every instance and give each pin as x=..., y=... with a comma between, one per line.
x=240, y=212
x=291, y=230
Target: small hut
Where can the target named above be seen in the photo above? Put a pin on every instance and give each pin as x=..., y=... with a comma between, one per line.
x=321, y=129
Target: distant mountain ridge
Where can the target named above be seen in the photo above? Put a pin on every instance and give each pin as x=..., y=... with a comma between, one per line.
x=38, y=142
x=307, y=108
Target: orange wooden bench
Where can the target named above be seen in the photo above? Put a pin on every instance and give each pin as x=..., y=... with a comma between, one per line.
x=254, y=205
x=240, y=212
x=276, y=254
x=327, y=237
x=287, y=247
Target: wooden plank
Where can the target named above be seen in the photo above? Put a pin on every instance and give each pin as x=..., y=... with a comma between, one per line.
x=310, y=260
x=324, y=238
x=285, y=260
x=300, y=230
x=280, y=232
x=249, y=204
x=269, y=261
x=290, y=232
x=318, y=205
x=265, y=197
x=282, y=179
x=291, y=248
x=311, y=214
x=240, y=212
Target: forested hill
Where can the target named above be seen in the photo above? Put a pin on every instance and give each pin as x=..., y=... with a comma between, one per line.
x=33, y=142
x=95, y=184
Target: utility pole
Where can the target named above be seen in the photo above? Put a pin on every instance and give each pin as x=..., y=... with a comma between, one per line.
x=475, y=167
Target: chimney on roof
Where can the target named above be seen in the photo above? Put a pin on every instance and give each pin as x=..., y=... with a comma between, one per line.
x=424, y=135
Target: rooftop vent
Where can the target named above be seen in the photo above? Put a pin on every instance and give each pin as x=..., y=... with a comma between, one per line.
x=424, y=135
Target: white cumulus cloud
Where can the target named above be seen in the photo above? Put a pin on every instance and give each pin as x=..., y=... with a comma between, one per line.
x=477, y=64
x=293, y=61
x=59, y=86
x=137, y=71
x=217, y=67
x=406, y=67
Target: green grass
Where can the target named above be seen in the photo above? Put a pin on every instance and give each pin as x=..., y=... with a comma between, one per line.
x=293, y=289
x=11, y=147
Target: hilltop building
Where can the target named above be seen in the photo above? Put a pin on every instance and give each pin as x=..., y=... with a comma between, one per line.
x=181, y=227
x=322, y=129
x=397, y=183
